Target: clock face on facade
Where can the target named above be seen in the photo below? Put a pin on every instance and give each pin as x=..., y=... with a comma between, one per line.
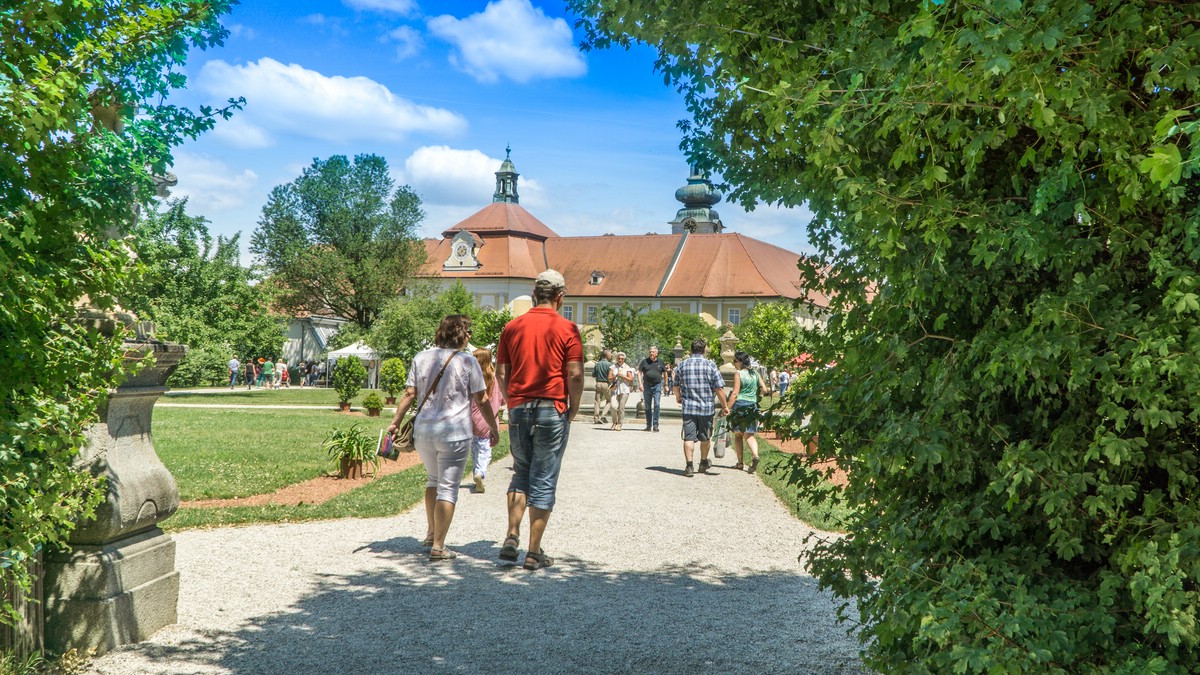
x=460, y=249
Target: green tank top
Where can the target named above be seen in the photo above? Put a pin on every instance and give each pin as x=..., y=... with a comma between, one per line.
x=749, y=390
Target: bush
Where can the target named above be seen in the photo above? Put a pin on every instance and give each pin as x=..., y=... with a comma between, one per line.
x=373, y=401
x=202, y=367
x=392, y=374
x=348, y=375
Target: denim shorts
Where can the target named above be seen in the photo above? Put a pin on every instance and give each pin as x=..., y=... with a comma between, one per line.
x=537, y=435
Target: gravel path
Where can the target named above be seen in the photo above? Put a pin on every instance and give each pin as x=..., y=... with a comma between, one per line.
x=654, y=572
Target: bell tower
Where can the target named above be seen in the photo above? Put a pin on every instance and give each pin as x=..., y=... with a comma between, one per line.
x=506, y=181
x=698, y=198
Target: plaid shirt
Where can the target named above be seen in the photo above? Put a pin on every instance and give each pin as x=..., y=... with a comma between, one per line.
x=698, y=377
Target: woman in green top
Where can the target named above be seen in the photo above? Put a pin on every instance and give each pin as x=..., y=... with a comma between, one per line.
x=744, y=415
x=269, y=374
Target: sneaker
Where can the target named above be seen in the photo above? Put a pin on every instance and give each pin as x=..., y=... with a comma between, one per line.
x=656, y=429
x=646, y=429
x=478, y=484
x=688, y=471
x=705, y=465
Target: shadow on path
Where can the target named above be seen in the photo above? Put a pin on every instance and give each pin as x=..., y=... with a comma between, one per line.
x=474, y=615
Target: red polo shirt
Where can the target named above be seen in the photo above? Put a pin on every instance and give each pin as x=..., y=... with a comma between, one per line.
x=537, y=346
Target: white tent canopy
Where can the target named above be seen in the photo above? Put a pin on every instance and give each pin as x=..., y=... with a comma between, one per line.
x=368, y=356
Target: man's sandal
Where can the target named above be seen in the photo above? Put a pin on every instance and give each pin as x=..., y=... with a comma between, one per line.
x=509, y=550
x=441, y=554
x=536, y=561
x=739, y=466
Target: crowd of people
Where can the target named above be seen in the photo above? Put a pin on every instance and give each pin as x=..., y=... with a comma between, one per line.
x=266, y=373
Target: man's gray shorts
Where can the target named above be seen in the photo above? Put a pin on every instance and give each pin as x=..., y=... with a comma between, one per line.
x=697, y=427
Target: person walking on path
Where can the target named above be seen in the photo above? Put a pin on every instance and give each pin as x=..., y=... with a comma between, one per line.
x=481, y=446
x=620, y=378
x=251, y=373
x=540, y=364
x=652, y=369
x=280, y=369
x=268, y=374
x=744, y=415
x=602, y=408
x=446, y=379
x=234, y=367
x=697, y=384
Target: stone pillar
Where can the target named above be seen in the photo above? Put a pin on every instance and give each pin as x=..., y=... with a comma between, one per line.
x=589, y=386
x=728, y=343
x=118, y=583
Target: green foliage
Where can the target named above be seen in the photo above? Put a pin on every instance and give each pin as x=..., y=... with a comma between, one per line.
x=202, y=368
x=373, y=401
x=407, y=324
x=347, y=377
x=487, y=324
x=351, y=445
x=770, y=333
x=347, y=335
x=661, y=326
x=196, y=291
x=83, y=124
x=341, y=237
x=1008, y=220
x=392, y=375
x=618, y=326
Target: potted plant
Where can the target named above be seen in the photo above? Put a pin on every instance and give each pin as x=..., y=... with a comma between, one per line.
x=373, y=403
x=391, y=378
x=350, y=449
x=348, y=374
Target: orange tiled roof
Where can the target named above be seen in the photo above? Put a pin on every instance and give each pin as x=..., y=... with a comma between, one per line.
x=503, y=218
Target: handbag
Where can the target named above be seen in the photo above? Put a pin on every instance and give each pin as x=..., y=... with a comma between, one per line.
x=402, y=441
x=719, y=438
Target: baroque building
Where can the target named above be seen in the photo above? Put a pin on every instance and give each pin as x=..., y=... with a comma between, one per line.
x=698, y=268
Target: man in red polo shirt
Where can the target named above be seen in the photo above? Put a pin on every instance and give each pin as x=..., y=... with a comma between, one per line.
x=539, y=362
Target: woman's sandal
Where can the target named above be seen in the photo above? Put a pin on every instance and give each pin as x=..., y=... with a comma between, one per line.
x=509, y=550
x=739, y=466
x=536, y=561
x=428, y=542
x=753, y=465
x=441, y=554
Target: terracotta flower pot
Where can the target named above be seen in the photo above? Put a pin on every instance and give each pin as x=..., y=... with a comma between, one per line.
x=344, y=407
x=351, y=468
x=373, y=412
x=390, y=400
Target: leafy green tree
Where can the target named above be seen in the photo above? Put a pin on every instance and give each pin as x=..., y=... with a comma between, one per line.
x=83, y=126
x=408, y=323
x=770, y=333
x=486, y=325
x=661, y=326
x=341, y=237
x=618, y=326
x=392, y=374
x=347, y=377
x=198, y=294
x=1006, y=204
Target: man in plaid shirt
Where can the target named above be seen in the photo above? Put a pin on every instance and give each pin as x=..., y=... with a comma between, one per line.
x=697, y=384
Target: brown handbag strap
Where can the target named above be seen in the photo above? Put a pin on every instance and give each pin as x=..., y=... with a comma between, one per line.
x=436, y=382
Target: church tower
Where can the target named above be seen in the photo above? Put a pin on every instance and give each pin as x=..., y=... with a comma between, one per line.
x=698, y=198
x=506, y=181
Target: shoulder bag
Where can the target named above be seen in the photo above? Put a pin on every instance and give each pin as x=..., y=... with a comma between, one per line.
x=403, y=440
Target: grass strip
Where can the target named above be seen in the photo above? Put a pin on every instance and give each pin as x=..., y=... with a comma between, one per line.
x=256, y=397
x=385, y=496
x=777, y=468
x=219, y=453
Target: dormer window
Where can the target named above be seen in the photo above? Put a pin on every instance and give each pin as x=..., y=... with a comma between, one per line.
x=597, y=277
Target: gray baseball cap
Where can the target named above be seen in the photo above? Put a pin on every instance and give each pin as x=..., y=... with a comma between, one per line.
x=550, y=279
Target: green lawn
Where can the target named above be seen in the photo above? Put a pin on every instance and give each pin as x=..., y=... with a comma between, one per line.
x=775, y=468
x=217, y=453
x=240, y=396
x=229, y=452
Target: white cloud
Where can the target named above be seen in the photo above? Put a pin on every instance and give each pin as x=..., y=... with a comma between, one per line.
x=293, y=99
x=464, y=178
x=212, y=186
x=238, y=30
x=513, y=39
x=239, y=133
x=403, y=7
x=408, y=39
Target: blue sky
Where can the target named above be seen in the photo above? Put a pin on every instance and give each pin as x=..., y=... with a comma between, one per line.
x=439, y=89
